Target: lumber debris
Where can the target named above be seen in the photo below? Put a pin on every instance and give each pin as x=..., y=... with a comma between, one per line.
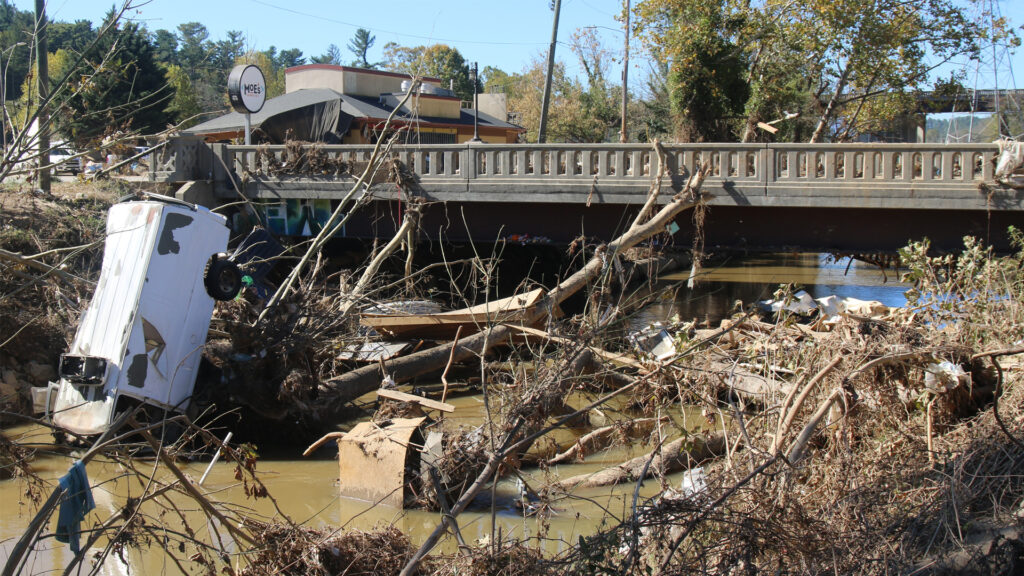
x=420, y=400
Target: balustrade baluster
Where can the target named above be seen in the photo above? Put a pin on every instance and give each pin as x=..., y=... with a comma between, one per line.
x=988, y=166
x=688, y=163
x=908, y=165
x=447, y=163
x=538, y=163
x=636, y=164
x=602, y=163
x=489, y=164
x=655, y=164
x=830, y=165
x=418, y=162
x=620, y=163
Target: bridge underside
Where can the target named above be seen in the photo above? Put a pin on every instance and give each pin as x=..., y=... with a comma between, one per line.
x=725, y=227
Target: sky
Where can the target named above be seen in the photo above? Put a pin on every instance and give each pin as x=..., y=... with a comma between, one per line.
x=507, y=35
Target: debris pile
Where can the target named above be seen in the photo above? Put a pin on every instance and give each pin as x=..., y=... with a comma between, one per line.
x=800, y=436
x=319, y=552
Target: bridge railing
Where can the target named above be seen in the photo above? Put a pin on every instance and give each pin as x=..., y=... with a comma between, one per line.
x=875, y=163
x=751, y=169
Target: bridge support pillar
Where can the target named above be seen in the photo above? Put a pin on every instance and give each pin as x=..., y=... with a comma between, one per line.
x=197, y=192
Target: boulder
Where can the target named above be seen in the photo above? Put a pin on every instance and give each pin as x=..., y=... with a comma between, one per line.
x=41, y=373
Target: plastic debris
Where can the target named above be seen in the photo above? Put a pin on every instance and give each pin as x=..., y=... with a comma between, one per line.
x=695, y=481
x=831, y=307
x=654, y=341
x=945, y=376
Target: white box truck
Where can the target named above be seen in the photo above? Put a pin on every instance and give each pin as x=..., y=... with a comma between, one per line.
x=142, y=336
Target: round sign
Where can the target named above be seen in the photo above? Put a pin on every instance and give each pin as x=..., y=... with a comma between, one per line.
x=247, y=89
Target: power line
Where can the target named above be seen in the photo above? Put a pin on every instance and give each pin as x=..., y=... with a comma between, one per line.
x=396, y=33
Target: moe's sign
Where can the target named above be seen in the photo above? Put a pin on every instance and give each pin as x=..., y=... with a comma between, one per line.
x=247, y=88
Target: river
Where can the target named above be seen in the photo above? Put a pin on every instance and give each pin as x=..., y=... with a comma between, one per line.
x=307, y=489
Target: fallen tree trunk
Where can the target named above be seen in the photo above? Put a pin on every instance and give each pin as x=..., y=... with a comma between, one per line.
x=603, y=437
x=746, y=384
x=335, y=392
x=680, y=454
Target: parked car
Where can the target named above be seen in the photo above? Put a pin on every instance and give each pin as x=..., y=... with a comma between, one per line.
x=141, y=338
x=65, y=160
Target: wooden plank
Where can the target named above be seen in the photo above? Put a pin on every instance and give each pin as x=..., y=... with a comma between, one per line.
x=445, y=324
x=512, y=303
x=425, y=402
x=373, y=351
x=605, y=354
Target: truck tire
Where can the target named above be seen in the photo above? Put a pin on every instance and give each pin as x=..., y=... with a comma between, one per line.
x=222, y=278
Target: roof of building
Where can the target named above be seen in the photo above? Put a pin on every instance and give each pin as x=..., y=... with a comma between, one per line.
x=337, y=67
x=354, y=106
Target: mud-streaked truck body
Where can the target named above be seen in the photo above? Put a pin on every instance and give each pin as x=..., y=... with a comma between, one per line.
x=143, y=333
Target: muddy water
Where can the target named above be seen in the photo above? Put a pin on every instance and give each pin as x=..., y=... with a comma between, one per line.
x=307, y=489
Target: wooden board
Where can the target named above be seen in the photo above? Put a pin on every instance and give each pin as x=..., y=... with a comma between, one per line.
x=425, y=402
x=373, y=351
x=444, y=325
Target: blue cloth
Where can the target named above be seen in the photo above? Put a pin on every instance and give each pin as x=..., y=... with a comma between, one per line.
x=76, y=504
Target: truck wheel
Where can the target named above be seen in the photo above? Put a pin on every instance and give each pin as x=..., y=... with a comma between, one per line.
x=223, y=279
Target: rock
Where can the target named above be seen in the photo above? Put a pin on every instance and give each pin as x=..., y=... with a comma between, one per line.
x=41, y=373
x=7, y=391
x=9, y=385
x=10, y=378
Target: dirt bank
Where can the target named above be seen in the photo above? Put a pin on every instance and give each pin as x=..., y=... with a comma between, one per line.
x=52, y=252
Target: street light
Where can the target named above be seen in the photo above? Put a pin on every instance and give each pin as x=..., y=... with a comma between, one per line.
x=476, y=107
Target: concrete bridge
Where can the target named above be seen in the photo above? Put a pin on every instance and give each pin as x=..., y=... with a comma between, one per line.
x=842, y=197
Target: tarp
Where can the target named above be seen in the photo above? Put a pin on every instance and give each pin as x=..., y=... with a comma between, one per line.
x=312, y=115
x=320, y=122
x=324, y=115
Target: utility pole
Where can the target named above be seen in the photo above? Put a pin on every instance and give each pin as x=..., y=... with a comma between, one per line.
x=43, y=87
x=474, y=77
x=625, y=78
x=547, y=83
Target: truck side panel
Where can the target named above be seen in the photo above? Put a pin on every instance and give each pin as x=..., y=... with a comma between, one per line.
x=169, y=332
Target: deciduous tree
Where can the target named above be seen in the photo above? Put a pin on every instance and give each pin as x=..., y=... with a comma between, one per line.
x=184, y=107
x=865, y=54
x=435, y=61
x=707, y=68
